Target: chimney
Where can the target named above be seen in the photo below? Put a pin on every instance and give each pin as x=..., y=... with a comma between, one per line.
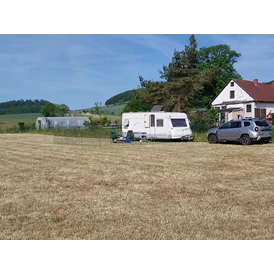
x=255, y=81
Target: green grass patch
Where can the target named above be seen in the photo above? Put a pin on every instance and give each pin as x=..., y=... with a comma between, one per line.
x=113, y=109
x=20, y=116
x=11, y=120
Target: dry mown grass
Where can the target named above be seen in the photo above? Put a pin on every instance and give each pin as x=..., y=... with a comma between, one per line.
x=134, y=191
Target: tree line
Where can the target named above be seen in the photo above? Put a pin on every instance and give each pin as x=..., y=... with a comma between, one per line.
x=22, y=106
x=44, y=107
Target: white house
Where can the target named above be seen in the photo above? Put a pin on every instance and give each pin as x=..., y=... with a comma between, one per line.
x=245, y=99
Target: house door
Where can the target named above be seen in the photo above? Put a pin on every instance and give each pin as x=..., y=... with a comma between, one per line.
x=260, y=113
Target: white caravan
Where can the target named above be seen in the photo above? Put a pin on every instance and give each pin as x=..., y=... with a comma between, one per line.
x=156, y=125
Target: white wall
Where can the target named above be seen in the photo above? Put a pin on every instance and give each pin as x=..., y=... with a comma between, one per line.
x=224, y=96
x=267, y=106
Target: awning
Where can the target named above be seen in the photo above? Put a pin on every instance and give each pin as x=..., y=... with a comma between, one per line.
x=229, y=110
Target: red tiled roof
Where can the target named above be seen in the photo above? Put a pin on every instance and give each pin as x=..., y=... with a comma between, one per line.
x=260, y=92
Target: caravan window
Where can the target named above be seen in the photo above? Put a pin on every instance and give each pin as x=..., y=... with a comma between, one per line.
x=160, y=122
x=178, y=122
x=126, y=123
x=152, y=120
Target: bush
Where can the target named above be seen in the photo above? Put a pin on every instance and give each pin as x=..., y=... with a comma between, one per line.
x=22, y=126
x=104, y=121
x=202, y=121
x=30, y=126
x=199, y=126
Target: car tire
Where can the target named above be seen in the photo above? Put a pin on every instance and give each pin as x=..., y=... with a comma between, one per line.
x=212, y=139
x=245, y=140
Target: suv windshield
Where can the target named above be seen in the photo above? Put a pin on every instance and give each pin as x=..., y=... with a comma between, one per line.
x=262, y=123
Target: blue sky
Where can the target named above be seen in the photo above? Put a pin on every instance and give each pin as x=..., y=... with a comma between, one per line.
x=79, y=70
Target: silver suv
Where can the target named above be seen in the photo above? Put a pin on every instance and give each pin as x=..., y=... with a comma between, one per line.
x=244, y=131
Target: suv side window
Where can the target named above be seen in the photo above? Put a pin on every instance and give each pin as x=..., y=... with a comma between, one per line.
x=236, y=124
x=246, y=124
x=226, y=125
x=262, y=123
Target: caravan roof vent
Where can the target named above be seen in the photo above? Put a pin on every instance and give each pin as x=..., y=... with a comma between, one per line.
x=157, y=108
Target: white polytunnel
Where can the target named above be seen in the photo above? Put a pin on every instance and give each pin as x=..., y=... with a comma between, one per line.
x=60, y=122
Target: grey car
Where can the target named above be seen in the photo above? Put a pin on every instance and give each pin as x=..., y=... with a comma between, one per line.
x=245, y=131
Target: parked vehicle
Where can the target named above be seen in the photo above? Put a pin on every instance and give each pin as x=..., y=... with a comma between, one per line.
x=245, y=131
x=158, y=125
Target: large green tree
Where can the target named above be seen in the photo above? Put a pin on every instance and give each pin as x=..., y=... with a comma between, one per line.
x=62, y=110
x=182, y=75
x=49, y=110
x=218, y=63
x=136, y=104
x=182, y=80
x=192, y=79
x=52, y=110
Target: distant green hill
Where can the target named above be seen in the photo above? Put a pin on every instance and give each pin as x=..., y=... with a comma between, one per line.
x=121, y=97
x=115, y=104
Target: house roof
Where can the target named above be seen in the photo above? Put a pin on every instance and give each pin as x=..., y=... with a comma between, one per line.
x=260, y=92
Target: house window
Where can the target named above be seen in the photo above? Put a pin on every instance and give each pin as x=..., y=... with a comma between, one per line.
x=248, y=108
x=232, y=94
x=232, y=84
x=160, y=122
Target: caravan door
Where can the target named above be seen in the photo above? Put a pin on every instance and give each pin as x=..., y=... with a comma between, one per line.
x=149, y=123
x=159, y=127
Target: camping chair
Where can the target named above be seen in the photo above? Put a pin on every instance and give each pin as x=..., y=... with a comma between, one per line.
x=113, y=137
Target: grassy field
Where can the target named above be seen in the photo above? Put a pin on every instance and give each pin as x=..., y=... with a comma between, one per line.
x=9, y=123
x=134, y=191
x=113, y=109
x=11, y=120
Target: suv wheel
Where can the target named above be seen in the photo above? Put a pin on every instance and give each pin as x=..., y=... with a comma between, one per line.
x=212, y=139
x=245, y=140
